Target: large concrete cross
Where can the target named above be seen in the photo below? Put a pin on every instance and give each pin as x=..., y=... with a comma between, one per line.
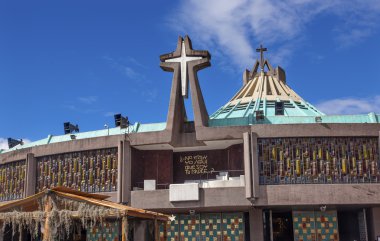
x=181, y=55
x=183, y=59
x=185, y=62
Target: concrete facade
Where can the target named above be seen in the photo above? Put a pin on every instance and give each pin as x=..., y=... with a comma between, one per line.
x=158, y=151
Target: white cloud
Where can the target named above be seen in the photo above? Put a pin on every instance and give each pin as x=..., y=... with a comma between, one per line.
x=88, y=99
x=350, y=106
x=4, y=142
x=237, y=27
x=127, y=67
x=150, y=95
x=109, y=113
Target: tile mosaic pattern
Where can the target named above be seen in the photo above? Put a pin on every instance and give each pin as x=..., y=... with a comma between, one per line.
x=189, y=227
x=86, y=171
x=304, y=226
x=172, y=230
x=206, y=227
x=315, y=226
x=211, y=227
x=12, y=179
x=327, y=226
x=233, y=226
x=109, y=231
x=319, y=160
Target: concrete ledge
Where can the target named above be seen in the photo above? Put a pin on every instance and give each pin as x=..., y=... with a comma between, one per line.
x=317, y=194
x=214, y=198
x=274, y=195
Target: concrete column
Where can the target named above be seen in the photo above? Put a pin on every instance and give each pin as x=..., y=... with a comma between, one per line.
x=31, y=173
x=247, y=165
x=126, y=173
x=256, y=229
x=246, y=74
x=119, y=171
x=375, y=223
x=255, y=166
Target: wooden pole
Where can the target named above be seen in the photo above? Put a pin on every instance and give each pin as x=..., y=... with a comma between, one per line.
x=1, y=231
x=156, y=230
x=48, y=207
x=165, y=230
x=124, y=228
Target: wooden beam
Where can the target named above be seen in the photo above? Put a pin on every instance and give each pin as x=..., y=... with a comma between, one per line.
x=134, y=212
x=18, y=203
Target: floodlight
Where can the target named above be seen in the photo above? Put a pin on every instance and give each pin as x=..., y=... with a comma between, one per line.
x=13, y=142
x=121, y=121
x=70, y=128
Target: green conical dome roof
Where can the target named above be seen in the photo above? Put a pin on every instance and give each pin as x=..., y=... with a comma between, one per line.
x=259, y=94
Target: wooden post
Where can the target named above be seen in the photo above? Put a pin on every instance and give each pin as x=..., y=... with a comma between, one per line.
x=156, y=230
x=165, y=231
x=48, y=207
x=1, y=231
x=124, y=228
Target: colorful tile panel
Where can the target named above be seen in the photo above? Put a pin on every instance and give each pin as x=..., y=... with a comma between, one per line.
x=304, y=226
x=86, y=171
x=12, y=179
x=206, y=227
x=172, y=230
x=211, y=226
x=109, y=231
x=233, y=226
x=189, y=227
x=327, y=226
x=319, y=160
x=315, y=226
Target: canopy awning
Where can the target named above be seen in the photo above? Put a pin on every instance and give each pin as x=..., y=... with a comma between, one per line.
x=30, y=204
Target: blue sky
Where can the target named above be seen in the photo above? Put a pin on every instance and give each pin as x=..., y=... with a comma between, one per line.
x=83, y=61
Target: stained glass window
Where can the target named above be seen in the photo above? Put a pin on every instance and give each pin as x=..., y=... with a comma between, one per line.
x=87, y=171
x=12, y=180
x=318, y=160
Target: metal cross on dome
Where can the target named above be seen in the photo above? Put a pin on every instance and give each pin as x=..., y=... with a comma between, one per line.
x=183, y=55
x=261, y=50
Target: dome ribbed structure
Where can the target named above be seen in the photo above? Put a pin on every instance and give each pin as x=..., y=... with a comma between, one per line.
x=262, y=88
